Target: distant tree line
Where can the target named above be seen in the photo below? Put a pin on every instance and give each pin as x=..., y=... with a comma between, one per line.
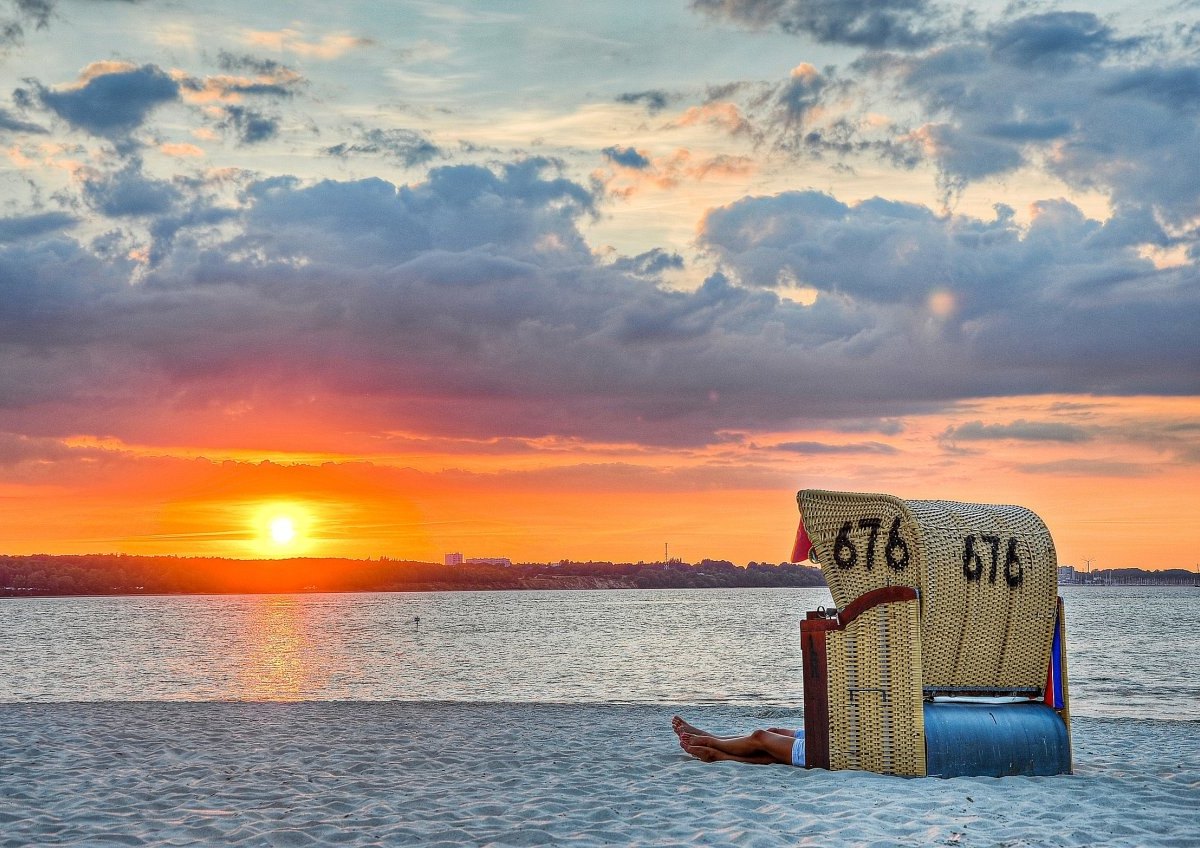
x=1139, y=577
x=116, y=574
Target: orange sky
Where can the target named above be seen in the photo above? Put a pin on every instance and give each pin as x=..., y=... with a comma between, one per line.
x=1120, y=498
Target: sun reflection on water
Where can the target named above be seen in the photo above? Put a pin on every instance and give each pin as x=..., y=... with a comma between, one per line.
x=281, y=664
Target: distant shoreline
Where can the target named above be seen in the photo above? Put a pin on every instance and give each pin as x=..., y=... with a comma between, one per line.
x=44, y=596
x=116, y=575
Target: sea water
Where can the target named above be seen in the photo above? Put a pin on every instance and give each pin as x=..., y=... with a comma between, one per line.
x=1131, y=650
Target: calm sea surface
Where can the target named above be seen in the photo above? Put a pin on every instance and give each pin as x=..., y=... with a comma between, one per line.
x=1132, y=650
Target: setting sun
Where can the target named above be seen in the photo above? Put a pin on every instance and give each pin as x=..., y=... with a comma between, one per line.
x=281, y=529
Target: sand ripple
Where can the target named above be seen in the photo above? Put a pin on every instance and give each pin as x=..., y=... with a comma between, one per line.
x=365, y=774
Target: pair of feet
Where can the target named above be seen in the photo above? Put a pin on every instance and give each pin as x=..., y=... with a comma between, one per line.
x=695, y=741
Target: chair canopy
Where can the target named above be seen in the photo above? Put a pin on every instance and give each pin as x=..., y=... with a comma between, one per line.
x=986, y=576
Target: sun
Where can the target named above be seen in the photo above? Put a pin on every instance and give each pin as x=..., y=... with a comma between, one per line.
x=281, y=529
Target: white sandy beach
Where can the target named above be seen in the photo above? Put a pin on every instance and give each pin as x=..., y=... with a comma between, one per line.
x=487, y=774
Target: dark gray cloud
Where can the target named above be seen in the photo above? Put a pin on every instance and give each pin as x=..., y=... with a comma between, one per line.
x=469, y=304
x=652, y=263
x=1053, y=41
x=115, y=103
x=980, y=285
x=111, y=104
x=799, y=95
x=825, y=449
x=885, y=426
x=626, y=157
x=250, y=125
x=1177, y=88
x=10, y=122
x=874, y=24
x=164, y=207
x=523, y=208
x=232, y=62
x=408, y=146
x=254, y=89
x=654, y=100
x=1062, y=91
x=1019, y=430
x=271, y=79
x=129, y=193
x=32, y=226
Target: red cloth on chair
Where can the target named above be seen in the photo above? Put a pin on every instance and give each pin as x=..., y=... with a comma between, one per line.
x=803, y=546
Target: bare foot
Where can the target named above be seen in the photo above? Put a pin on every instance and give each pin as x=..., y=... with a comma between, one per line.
x=692, y=740
x=705, y=749
x=680, y=727
x=704, y=754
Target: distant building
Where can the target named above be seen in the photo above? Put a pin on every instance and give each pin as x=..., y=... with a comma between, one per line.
x=504, y=561
x=454, y=559
x=1066, y=575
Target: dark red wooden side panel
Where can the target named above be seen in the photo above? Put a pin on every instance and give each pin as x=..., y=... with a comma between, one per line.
x=816, y=691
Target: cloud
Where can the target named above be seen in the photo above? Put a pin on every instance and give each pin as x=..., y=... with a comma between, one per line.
x=1060, y=91
x=32, y=226
x=654, y=100
x=14, y=124
x=724, y=116
x=35, y=13
x=180, y=150
x=329, y=46
x=652, y=263
x=164, y=207
x=1019, y=430
x=468, y=304
x=111, y=99
x=250, y=125
x=800, y=95
x=972, y=281
x=626, y=157
x=964, y=157
x=255, y=64
x=826, y=448
x=886, y=427
x=129, y=192
x=1087, y=468
x=633, y=171
x=408, y=146
x=1053, y=41
x=873, y=24
x=267, y=78
x=522, y=211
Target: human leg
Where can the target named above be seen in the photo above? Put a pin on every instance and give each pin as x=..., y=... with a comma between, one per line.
x=761, y=746
x=711, y=755
x=680, y=727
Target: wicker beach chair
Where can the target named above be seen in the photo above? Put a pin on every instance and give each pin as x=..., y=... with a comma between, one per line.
x=945, y=654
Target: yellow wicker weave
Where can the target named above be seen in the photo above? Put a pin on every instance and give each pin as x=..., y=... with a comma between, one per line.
x=876, y=722
x=987, y=577
x=860, y=562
